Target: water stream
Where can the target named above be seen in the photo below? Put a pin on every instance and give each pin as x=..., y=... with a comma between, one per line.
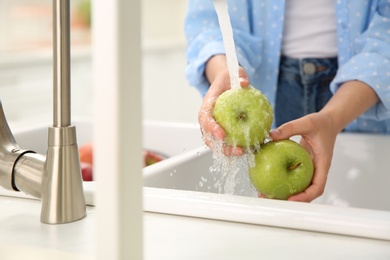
x=221, y=8
x=225, y=168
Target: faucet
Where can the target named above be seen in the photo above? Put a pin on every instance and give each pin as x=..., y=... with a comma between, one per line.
x=56, y=177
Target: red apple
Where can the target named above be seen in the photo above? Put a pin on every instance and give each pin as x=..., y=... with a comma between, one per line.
x=86, y=159
x=86, y=153
x=86, y=171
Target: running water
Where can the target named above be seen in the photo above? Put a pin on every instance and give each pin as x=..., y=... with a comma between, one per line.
x=221, y=7
x=226, y=169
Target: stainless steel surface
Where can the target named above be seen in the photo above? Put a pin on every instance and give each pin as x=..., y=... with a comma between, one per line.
x=55, y=179
x=62, y=191
x=61, y=63
x=27, y=174
x=9, y=152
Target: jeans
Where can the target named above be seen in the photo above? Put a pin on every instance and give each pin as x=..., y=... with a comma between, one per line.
x=303, y=87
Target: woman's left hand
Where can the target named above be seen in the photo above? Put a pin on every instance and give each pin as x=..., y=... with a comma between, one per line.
x=318, y=137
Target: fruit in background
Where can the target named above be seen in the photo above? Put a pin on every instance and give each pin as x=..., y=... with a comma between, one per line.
x=84, y=11
x=86, y=153
x=86, y=171
x=282, y=168
x=152, y=158
x=246, y=116
x=86, y=160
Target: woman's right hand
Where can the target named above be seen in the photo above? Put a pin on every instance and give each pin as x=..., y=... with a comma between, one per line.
x=218, y=75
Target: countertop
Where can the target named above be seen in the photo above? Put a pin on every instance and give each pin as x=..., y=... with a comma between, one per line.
x=22, y=235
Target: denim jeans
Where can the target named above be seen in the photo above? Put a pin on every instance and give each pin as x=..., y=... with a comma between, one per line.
x=303, y=87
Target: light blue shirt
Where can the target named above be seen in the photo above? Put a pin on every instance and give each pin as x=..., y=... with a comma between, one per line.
x=363, y=29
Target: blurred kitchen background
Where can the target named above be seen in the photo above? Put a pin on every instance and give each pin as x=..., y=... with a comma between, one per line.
x=26, y=62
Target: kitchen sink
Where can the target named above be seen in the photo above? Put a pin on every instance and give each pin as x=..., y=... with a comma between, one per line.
x=355, y=201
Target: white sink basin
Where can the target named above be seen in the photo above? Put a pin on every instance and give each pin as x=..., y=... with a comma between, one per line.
x=355, y=201
x=359, y=176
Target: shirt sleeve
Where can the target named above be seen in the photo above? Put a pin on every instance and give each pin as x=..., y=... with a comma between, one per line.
x=204, y=39
x=371, y=63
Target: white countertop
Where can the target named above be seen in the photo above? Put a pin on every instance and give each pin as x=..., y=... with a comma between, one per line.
x=22, y=235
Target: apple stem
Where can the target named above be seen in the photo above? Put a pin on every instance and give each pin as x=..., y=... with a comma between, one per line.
x=242, y=116
x=294, y=166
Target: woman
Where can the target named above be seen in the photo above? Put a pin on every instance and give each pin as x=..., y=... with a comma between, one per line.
x=324, y=65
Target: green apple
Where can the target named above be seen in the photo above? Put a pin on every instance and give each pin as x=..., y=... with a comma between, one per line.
x=246, y=116
x=281, y=169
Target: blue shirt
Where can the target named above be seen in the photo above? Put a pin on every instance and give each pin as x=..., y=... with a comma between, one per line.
x=363, y=29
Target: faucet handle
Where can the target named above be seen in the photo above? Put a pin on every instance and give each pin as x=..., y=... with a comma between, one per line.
x=7, y=140
x=9, y=153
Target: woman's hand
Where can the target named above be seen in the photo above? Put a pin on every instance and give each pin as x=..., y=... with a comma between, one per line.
x=318, y=137
x=218, y=74
x=319, y=130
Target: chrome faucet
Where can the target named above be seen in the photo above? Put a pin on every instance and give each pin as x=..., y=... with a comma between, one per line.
x=56, y=178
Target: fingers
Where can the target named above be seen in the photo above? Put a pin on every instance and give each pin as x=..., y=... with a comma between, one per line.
x=244, y=81
x=232, y=150
x=213, y=133
x=318, y=139
x=317, y=186
x=315, y=190
x=322, y=160
x=213, y=136
x=299, y=126
x=215, y=142
x=321, y=168
x=206, y=120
